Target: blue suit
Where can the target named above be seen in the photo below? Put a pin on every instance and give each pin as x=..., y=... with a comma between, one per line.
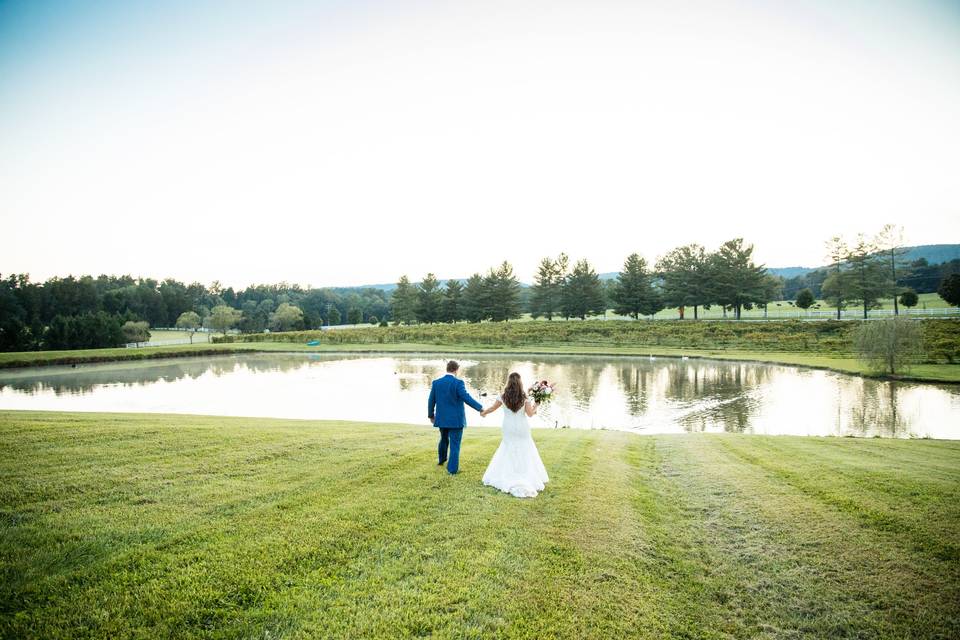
x=445, y=410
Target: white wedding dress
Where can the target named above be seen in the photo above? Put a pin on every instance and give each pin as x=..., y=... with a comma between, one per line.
x=516, y=467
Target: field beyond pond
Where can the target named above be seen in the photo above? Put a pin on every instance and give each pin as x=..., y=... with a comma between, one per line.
x=154, y=526
x=825, y=344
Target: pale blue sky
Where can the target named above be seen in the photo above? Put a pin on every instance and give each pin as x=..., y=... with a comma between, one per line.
x=342, y=143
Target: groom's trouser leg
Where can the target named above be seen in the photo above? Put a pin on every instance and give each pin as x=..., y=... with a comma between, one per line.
x=453, y=464
x=442, y=447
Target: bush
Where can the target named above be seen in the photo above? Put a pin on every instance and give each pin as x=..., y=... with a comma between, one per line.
x=889, y=346
x=136, y=331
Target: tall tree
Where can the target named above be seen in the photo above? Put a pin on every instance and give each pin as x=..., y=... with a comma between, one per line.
x=403, y=302
x=476, y=296
x=503, y=293
x=545, y=294
x=890, y=243
x=452, y=305
x=189, y=321
x=835, y=286
x=949, y=289
x=686, y=278
x=868, y=275
x=333, y=316
x=223, y=318
x=582, y=292
x=287, y=317
x=771, y=288
x=429, y=300
x=633, y=294
x=737, y=281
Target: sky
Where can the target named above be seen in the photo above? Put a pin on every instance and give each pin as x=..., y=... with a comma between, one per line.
x=345, y=143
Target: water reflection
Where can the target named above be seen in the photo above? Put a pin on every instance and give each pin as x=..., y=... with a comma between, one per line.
x=648, y=396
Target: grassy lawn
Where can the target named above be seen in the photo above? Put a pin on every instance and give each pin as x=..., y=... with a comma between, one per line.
x=157, y=526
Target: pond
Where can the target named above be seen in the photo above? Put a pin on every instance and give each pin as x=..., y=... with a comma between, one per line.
x=664, y=395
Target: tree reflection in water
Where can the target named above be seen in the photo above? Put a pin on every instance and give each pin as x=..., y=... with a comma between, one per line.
x=86, y=378
x=665, y=395
x=874, y=411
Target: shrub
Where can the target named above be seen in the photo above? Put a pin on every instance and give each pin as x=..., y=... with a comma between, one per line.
x=889, y=346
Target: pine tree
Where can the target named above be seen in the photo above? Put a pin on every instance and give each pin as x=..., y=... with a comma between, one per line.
x=403, y=302
x=452, y=307
x=633, y=294
x=545, y=294
x=429, y=300
x=475, y=299
x=868, y=280
x=503, y=294
x=582, y=292
x=890, y=243
x=835, y=287
x=737, y=281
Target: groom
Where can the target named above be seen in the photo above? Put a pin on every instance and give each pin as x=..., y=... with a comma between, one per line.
x=445, y=410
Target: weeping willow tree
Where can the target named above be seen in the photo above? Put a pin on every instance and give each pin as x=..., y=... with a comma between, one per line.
x=889, y=346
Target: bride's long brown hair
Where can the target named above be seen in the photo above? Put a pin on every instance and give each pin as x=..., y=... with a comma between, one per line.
x=514, y=395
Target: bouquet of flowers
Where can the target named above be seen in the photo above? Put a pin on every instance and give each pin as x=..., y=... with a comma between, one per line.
x=541, y=391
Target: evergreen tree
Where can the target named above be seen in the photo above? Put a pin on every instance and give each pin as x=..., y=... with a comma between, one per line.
x=546, y=292
x=475, y=299
x=869, y=280
x=835, y=288
x=890, y=244
x=582, y=292
x=503, y=298
x=686, y=276
x=737, y=281
x=354, y=316
x=633, y=294
x=403, y=302
x=429, y=300
x=452, y=306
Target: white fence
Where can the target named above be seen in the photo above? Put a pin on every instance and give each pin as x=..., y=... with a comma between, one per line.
x=800, y=314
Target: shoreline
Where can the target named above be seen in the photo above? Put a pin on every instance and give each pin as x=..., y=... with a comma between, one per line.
x=791, y=359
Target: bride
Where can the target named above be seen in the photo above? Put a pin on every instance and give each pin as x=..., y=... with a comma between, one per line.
x=516, y=467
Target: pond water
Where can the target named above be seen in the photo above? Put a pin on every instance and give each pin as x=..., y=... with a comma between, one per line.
x=664, y=395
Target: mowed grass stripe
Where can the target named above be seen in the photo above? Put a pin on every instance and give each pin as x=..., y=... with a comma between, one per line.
x=834, y=576
x=222, y=528
x=858, y=498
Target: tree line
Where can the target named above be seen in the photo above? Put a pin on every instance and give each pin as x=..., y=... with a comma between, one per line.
x=87, y=312
x=688, y=276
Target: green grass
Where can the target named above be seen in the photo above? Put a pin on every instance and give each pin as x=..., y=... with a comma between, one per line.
x=159, y=526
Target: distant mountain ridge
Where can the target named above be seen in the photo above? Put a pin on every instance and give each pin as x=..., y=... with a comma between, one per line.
x=933, y=253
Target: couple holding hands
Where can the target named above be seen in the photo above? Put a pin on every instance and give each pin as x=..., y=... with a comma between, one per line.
x=516, y=467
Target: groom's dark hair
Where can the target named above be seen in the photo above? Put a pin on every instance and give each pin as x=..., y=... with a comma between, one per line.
x=452, y=366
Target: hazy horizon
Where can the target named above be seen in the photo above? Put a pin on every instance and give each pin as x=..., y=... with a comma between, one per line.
x=341, y=144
